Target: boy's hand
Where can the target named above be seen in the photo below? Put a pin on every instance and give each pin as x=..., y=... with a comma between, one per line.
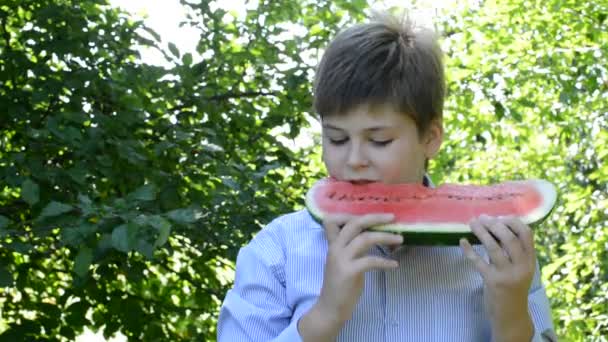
x=345, y=267
x=508, y=275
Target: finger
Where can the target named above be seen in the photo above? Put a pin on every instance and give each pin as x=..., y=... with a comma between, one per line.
x=481, y=265
x=373, y=262
x=507, y=239
x=524, y=233
x=362, y=243
x=332, y=225
x=495, y=252
x=361, y=223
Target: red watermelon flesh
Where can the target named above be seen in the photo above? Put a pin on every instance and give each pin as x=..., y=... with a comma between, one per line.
x=446, y=209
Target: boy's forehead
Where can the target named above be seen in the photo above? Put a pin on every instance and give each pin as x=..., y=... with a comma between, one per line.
x=368, y=117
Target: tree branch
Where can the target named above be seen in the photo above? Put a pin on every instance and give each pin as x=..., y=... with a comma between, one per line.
x=5, y=34
x=226, y=96
x=186, y=276
x=7, y=39
x=162, y=303
x=241, y=95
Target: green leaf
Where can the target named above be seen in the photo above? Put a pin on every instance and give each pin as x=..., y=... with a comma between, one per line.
x=4, y=222
x=83, y=261
x=145, y=248
x=159, y=222
x=124, y=237
x=170, y=198
x=86, y=205
x=30, y=192
x=21, y=332
x=153, y=33
x=499, y=109
x=20, y=247
x=564, y=97
x=229, y=182
x=187, y=59
x=164, y=230
x=6, y=277
x=147, y=192
x=55, y=208
x=68, y=332
x=183, y=216
x=71, y=236
x=76, y=313
x=120, y=238
x=78, y=174
x=174, y=50
x=74, y=236
x=105, y=242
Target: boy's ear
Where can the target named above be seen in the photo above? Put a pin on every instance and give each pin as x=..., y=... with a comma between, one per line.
x=433, y=138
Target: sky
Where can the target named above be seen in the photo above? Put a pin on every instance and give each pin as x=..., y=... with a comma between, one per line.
x=164, y=17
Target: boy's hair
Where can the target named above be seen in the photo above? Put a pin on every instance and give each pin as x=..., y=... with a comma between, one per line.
x=384, y=61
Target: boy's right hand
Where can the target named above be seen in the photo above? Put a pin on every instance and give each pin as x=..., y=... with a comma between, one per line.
x=345, y=267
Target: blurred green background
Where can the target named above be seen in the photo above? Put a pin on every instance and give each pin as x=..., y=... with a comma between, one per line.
x=127, y=187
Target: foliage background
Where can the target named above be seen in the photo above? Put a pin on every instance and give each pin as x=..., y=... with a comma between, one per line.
x=126, y=189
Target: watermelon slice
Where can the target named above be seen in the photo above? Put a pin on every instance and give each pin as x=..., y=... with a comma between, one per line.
x=432, y=216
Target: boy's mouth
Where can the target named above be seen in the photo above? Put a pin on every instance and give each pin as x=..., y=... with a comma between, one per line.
x=361, y=181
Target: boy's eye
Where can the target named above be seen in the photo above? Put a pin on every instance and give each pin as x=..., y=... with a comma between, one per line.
x=338, y=141
x=382, y=142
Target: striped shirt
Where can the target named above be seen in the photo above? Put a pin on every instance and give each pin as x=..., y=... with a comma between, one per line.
x=434, y=295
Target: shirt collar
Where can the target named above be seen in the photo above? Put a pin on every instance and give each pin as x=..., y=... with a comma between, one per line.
x=426, y=181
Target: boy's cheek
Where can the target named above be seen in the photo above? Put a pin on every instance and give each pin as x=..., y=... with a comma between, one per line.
x=393, y=174
x=332, y=170
x=332, y=165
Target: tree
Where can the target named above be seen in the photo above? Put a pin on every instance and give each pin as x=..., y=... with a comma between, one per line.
x=528, y=86
x=127, y=189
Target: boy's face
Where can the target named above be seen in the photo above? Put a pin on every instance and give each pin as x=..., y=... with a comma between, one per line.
x=377, y=144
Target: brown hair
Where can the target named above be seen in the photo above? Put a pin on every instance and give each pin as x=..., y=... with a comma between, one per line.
x=384, y=61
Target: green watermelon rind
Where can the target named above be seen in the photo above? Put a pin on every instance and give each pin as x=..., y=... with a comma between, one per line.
x=449, y=234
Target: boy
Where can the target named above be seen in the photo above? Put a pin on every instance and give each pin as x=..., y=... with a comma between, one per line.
x=379, y=91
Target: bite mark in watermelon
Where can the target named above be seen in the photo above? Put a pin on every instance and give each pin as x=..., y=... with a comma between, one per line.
x=433, y=215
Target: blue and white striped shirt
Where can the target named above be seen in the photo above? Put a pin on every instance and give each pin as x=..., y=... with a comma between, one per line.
x=434, y=295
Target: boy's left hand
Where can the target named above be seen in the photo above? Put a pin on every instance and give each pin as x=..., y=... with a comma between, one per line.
x=508, y=276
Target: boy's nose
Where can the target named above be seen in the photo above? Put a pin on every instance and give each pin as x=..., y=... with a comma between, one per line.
x=356, y=157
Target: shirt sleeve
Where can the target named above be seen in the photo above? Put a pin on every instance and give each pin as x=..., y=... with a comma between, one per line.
x=540, y=310
x=256, y=309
